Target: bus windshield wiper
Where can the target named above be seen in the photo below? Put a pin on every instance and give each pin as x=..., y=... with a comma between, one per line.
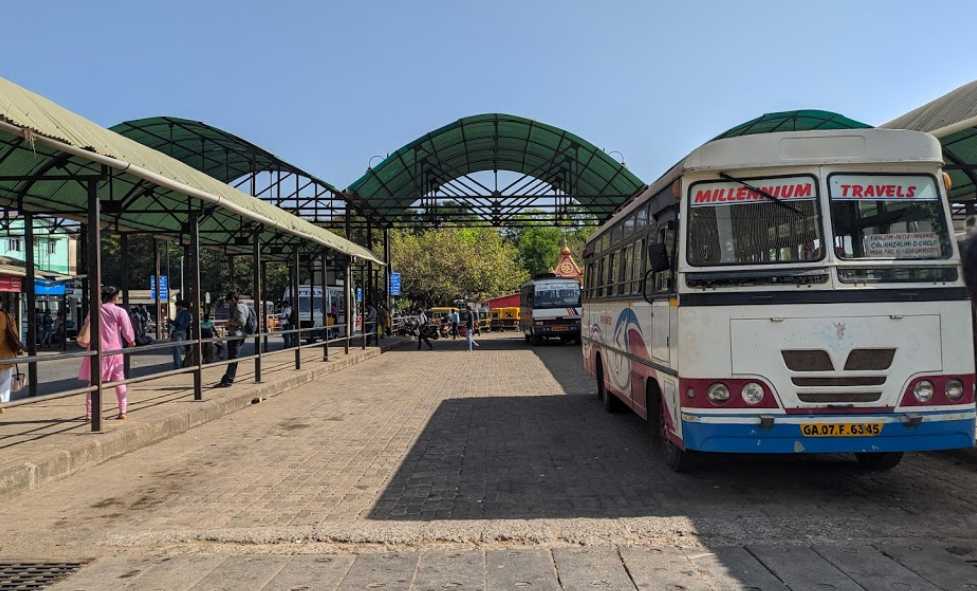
x=760, y=192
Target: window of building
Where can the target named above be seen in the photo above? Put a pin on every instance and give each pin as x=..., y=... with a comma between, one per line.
x=14, y=244
x=52, y=246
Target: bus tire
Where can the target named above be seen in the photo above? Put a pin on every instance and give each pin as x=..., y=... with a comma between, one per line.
x=608, y=400
x=599, y=375
x=677, y=459
x=879, y=462
x=537, y=340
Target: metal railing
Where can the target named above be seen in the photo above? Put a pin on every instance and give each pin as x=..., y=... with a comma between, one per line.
x=320, y=334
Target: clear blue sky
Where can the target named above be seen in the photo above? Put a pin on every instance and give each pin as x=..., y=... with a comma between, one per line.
x=328, y=84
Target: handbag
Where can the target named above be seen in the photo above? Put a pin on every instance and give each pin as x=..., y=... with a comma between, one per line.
x=11, y=336
x=84, y=335
x=18, y=381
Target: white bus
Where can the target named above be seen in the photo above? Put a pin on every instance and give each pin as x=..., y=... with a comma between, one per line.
x=787, y=293
x=310, y=309
x=549, y=307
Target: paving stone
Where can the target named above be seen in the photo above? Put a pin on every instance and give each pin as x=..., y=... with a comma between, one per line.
x=440, y=570
x=388, y=571
x=664, y=569
x=311, y=573
x=591, y=570
x=242, y=573
x=519, y=570
x=936, y=564
x=803, y=569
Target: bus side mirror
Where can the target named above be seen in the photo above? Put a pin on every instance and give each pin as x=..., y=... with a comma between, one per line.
x=658, y=257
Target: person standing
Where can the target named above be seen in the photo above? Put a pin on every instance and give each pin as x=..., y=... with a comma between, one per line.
x=285, y=322
x=422, y=330
x=470, y=321
x=234, y=336
x=114, y=329
x=179, y=331
x=455, y=321
x=10, y=346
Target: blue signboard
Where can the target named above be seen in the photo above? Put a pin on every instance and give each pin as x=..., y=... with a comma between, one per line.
x=48, y=288
x=164, y=288
x=394, y=284
x=359, y=294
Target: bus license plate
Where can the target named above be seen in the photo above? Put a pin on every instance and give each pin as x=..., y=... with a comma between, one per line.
x=558, y=328
x=841, y=429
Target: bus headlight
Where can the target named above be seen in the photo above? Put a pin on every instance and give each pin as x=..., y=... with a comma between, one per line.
x=752, y=393
x=718, y=393
x=923, y=390
x=954, y=389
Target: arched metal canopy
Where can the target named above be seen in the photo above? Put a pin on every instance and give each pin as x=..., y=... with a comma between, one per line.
x=248, y=167
x=558, y=173
x=798, y=120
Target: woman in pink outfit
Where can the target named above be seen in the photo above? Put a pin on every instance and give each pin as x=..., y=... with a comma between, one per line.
x=114, y=327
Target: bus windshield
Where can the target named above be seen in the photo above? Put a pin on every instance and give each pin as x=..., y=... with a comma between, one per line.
x=557, y=297
x=887, y=217
x=732, y=224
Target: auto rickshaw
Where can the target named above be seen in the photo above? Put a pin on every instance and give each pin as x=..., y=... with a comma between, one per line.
x=505, y=318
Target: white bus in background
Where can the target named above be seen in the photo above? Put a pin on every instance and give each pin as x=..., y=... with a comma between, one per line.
x=549, y=307
x=787, y=293
x=310, y=308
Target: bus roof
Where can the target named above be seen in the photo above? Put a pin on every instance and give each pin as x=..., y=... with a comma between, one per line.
x=794, y=148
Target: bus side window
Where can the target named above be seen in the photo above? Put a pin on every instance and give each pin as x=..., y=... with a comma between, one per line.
x=664, y=280
x=639, y=265
x=609, y=276
x=599, y=280
x=624, y=283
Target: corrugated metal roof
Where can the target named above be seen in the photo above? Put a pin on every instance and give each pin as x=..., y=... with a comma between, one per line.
x=56, y=135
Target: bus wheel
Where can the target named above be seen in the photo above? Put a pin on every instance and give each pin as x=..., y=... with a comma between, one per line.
x=600, y=379
x=879, y=461
x=676, y=458
x=537, y=340
x=607, y=400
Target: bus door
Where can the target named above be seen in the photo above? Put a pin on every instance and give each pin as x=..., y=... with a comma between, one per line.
x=664, y=289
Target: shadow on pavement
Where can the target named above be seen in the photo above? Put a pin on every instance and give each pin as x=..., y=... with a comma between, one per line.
x=516, y=457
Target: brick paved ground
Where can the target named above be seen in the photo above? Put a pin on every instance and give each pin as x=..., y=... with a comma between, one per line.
x=505, y=448
x=755, y=568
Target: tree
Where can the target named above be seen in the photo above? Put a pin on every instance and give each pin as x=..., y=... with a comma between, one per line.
x=539, y=246
x=439, y=266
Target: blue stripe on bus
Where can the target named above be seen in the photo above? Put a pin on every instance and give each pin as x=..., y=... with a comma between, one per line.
x=787, y=438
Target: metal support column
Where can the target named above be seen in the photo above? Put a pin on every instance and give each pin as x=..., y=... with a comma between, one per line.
x=93, y=260
x=324, y=264
x=264, y=317
x=295, y=309
x=30, y=288
x=124, y=286
x=83, y=271
x=366, y=302
x=347, y=305
x=259, y=305
x=389, y=312
x=193, y=265
x=369, y=285
x=157, y=291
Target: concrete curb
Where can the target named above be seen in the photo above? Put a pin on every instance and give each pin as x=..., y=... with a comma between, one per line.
x=98, y=448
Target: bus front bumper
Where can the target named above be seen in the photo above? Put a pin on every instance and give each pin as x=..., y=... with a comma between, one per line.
x=901, y=431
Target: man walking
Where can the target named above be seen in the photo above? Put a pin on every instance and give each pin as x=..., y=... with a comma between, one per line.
x=470, y=322
x=234, y=336
x=422, y=330
x=179, y=331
